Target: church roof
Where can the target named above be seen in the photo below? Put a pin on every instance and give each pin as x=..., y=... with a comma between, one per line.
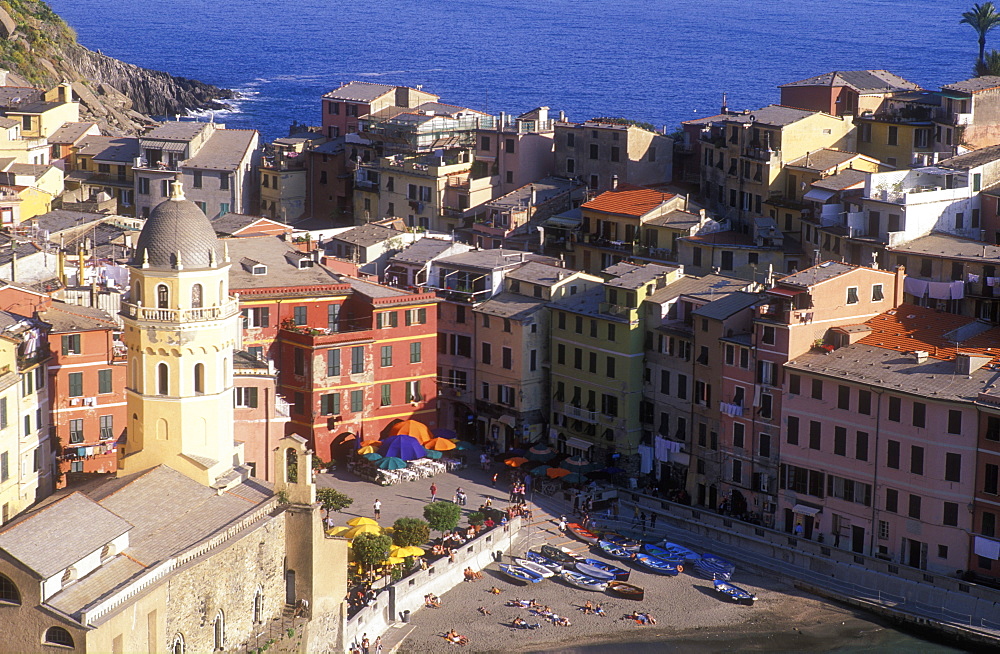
x=177, y=227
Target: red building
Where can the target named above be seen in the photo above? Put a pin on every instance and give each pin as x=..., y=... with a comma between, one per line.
x=86, y=386
x=343, y=106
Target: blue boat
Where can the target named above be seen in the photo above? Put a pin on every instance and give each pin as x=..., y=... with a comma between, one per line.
x=713, y=567
x=622, y=541
x=662, y=553
x=658, y=565
x=552, y=565
x=680, y=552
x=595, y=572
x=613, y=550
x=583, y=581
x=734, y=593
x=519, y=573
x=620, y=574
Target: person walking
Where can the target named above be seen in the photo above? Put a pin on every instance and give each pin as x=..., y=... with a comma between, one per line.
x=652, y=521
x=378, y=645
x=495, y=474
x=434, y=492
x=377, y=507
x=642, y=517
x=365, y=643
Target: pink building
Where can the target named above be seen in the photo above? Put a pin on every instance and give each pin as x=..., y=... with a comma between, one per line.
x=879, y=451
x=520, y=150
x=343, y=106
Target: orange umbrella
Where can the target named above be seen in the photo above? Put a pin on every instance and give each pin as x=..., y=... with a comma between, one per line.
x=413, y=428
x=440, y=444
x=516, y=461
x=372, y=443
x=555, y=473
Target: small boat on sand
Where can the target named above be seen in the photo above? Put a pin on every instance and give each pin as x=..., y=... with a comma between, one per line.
x=593, y=571
x=621, y=574
x=713, y=567
x=734, y=593
x=582, y=533
x=520, y=574
x=557, y=554
x=583, y=581
x=662, y=553
x=537, y=568
x=622, y=541
x=545, y=561
x=613, y=550
x=680, y=552
x=658, y=565
x=626, y=591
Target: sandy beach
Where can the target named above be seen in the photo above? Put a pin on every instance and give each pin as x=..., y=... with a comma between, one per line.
x=690, y=616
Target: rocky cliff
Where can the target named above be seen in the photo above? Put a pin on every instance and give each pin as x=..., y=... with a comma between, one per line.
x=38, y=47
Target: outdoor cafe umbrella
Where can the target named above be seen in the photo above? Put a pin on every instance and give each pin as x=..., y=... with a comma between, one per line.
x=574, y=478
x=361, y=520
x=413, y=428
x=555, y=473
x=390, y=463
x=338, y=531
x=369, y=443
x=434, y=454
x=439, y=444
x=516, y=461
x=441, y=432
x=368, y=449
x=403, y=446
x=576, y=464
x=372, y=456
x=394, y=560
x=540, y=471
x=409, y=550
x=461, y=445
x=362, y=529
x=540, y=452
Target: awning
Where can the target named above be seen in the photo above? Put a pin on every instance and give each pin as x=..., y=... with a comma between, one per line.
x=506, y=420
x=987, y=548
x=578, y=443
x=802, y=509
x=818, y=195
x=563, y=223
x=166, y=146
x=786, y=292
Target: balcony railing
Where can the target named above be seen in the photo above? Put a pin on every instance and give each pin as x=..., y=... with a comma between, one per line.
x=151, y=314
x=575, y=412
x=600, y=241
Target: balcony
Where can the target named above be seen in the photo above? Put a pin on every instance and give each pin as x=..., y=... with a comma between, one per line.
x=575, y=412
x=760, y=154
x=365, y=185
x=600, y=241
x=201, y=314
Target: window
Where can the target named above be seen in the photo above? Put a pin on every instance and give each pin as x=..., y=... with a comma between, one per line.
x=505, y=395
x=844, y=397
x=682, y=386
x=610, y=367
x=9, y=594
x=892, y=454
x=893, y=136
x=914, y=508
x=895, y=409
x=415, y=356
x=578, y=358
x=71, y=344
x=665, y=381
x=840, y=441
x=764, y=445
x=299, y=315
x=817, y=389
x=767, y=335
x=766, y=405
x=954, y=421
x=877, y=295
x=916, y=459
x=988, y=527
x=357, y=360
x=416, y=317
x=58, y=636
x=919, y=414
x=990, y=478
x=329, y=404
x=992, y=427
x=386, y=356
x=739, y=434
x=245, y=397
x=792, y=437
x=861, y=446
x=76, y=431
x=386, y=394
x=413, y=391
x=4, y=466
x=852, y=295
x=486, y=355
x=794, y=384
x=332, y=317
x=107, y=427
x=104, y=384
x=891, y=500
x=333, y=362
x=594, y=150
x=609, y=405
x=299, y=362
x=611, y=332
x=727, y=260
x=224, y=185
x=815, y=435
x=387, y=319
x=737, y=472
x=196, y=181
x=357, y=400
x=162, y=296
x=76, y=383
x=256, y=317
x=507, y=358
x=199, y=378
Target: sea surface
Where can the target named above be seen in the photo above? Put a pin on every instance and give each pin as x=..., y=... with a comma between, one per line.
x=657, y=61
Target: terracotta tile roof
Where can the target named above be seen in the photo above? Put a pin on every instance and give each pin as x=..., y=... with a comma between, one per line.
x=909, y=328
x=628, y=200
x=861, y=81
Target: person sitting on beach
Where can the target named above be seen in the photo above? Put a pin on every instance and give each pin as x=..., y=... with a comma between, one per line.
x=484, y=610
x=588, y=607
x=599, y=610
x=476, y=576
x=494, y=590
x=467, y=573
x=562, y=622
x=520, y=622
x=454, y=637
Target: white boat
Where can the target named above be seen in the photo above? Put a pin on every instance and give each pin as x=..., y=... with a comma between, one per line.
x=594, y=571
x=535, y=567
x=583, y=581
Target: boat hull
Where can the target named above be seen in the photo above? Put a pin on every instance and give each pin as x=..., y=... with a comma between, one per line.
x=558, y=555
x=734, y=593
x=545, y=561
x=657, y=565
x=583, y=581
x=518, y=573
x=626, y=591
x=679, y=551
x=712, y=567
x=661, y=553
x=537, y=568
x=582, y=533
x=614, y=551
x=595, y=572
x=620, y=574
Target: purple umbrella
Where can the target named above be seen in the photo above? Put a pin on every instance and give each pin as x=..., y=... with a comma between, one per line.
x=405, y=447
x=441, y=432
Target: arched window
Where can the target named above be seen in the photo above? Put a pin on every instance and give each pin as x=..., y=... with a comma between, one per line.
x=162, y=296
x=178, y=646
x=292, y=465
x=107, y=552
x=58, y=636
x=69, y=575
x=162, y=379
x=199, y=378
x=219, y=629
x=136, y=292
x=258, y=606
x=9, y=594
x=196, y=296
x=222, y=292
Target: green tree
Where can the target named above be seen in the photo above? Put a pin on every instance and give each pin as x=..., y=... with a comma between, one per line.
x=981, y=18
x=989, y=66
x=371, y=550
x=410, y=531
x=442, y=516
x=332, y=500
x=476, y=519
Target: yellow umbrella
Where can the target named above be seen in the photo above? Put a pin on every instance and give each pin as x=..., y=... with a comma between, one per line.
x=393, y=560
x=440, y=444
x=338, y=531
x=360, y=520
x=375, y=443
x=409, y=550
x=368, y=449
x=362, y=529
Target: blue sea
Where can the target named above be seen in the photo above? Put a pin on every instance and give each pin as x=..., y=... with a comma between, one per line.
x=657, y=61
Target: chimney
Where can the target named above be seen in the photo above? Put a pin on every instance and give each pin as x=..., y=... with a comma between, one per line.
x=614, y=182
x=686, y=197
x=725, y=104
x=920, y=356
x=562, y=116
x=543, y=116
x=534, y=196
x=897, y=294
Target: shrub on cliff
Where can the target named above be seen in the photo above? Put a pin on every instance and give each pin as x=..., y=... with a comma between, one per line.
x=410, y=531
x=371, y=550
x=442, y=516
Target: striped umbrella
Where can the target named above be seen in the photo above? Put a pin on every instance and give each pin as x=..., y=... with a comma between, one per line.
x=540, y=452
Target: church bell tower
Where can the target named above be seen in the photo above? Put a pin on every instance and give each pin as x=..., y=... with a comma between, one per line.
x=181, y=327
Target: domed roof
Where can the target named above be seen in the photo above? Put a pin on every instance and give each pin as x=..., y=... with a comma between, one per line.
x=177, y=226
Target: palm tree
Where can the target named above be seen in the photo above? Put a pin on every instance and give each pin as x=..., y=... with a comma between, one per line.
x=982, y=18
x=990, y=65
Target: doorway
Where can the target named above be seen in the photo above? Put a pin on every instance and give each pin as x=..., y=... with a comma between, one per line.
x=857, y=539
x=290, y=587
